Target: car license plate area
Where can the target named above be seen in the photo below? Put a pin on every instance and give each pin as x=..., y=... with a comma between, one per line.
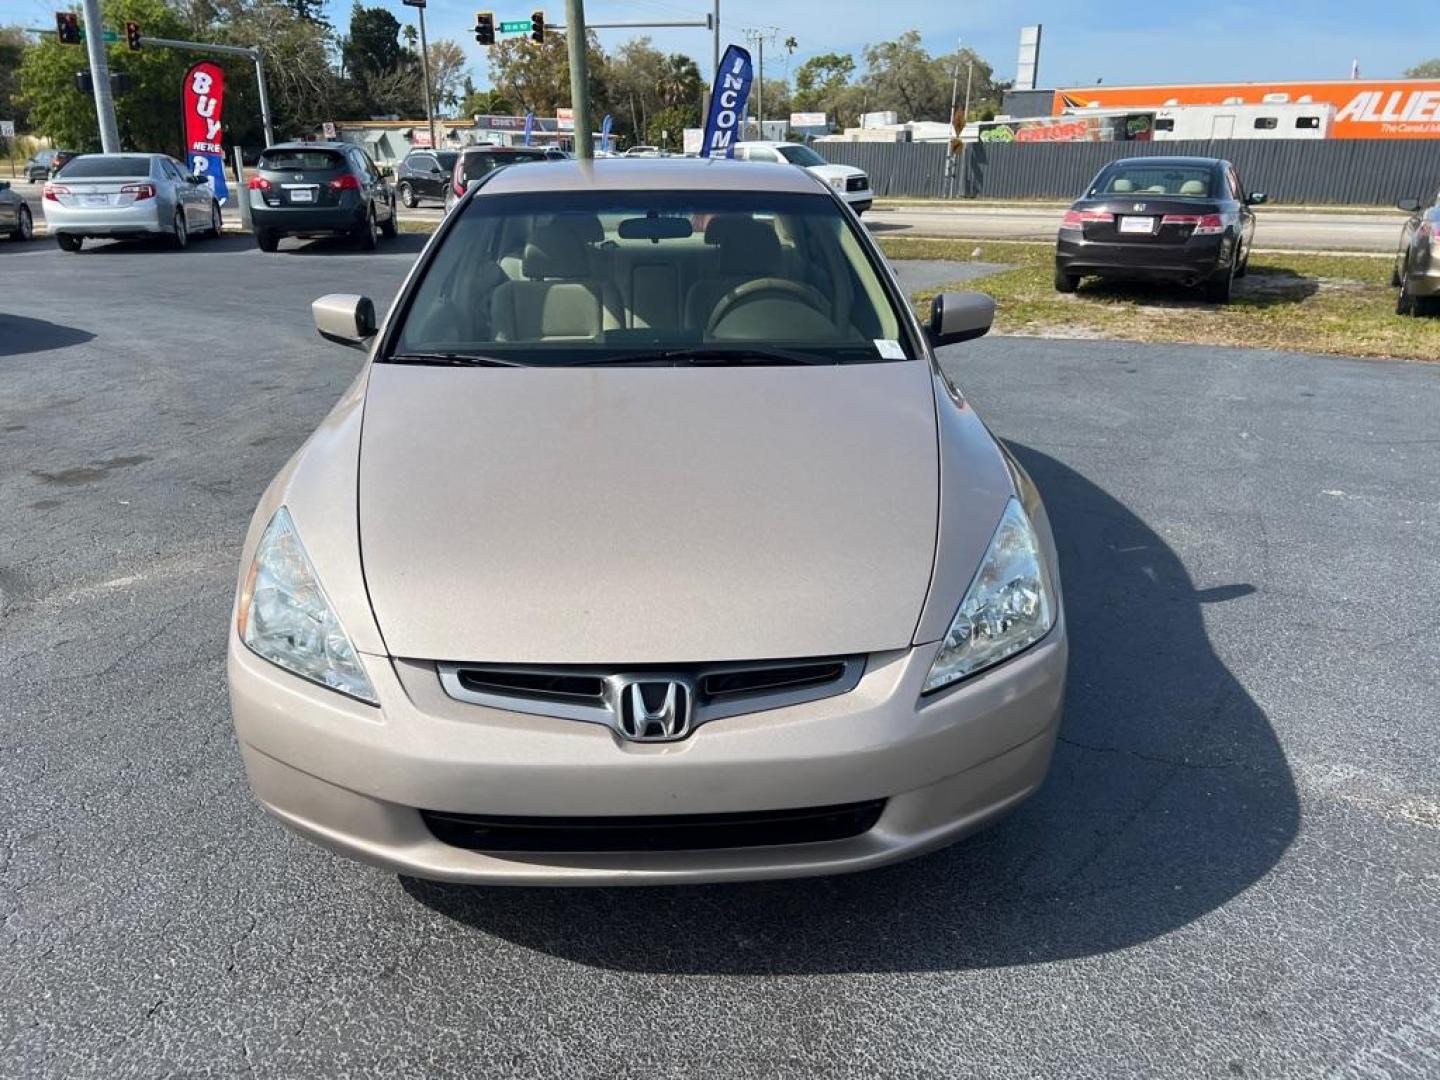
x=97, y=200
x=1142, y=226
x=300, y=194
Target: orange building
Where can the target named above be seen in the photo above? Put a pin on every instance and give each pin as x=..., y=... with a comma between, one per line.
x=1364, y=108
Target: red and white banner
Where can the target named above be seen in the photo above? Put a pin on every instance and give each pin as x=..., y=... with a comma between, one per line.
x=204, y=97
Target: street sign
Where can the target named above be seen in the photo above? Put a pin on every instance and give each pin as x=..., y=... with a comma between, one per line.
x=7, y=129
x=110, y=37
x=519, y=26
x=329, y=129
x=413, y=3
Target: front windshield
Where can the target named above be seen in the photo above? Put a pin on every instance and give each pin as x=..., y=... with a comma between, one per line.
x=586, y=277
x=801, y=155
x=1184, y=181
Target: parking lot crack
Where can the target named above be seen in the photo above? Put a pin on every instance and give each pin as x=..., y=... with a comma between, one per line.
x=1179, y=763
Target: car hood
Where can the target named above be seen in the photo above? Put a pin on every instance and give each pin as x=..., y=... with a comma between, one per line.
x=830, y=172
x=647, y=515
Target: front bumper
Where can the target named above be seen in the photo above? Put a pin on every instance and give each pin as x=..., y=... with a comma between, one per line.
x=355, y=778
x=860, y=201
x=1194, y=260
x=138, y=219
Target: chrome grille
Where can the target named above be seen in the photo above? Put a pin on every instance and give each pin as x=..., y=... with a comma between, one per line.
x=598, y=695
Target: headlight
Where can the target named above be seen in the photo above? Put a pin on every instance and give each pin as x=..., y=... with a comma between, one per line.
x=285, y=616
x=838, y=183
x=1009, y=605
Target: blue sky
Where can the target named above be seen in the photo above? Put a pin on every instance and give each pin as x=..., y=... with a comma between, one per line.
x=1121, y=43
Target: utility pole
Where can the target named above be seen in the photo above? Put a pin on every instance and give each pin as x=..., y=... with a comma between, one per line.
x=579, y=77
x=100, y=75
x=758, y=36
x=424, y=68
x=955, y=80
x=715, y=46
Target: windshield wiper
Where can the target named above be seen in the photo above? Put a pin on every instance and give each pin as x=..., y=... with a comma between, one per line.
x=720, y=356
x=450, y=359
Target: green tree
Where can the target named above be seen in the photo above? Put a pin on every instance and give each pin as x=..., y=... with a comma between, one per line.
x=901, y=76
x=373, y=46
x=536, y=77
x=822, y=84
x=486, y=103
x=668, y=124
x=636, y=80
x=12, y=53
x=447, y=73
x=1426, y=69
x=304, y=87
x=148, y=116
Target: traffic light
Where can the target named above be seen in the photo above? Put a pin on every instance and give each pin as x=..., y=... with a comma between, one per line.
x=537, y=27
x=132, y=36
x=84, y=83
x=485, y=27
x=67, y=27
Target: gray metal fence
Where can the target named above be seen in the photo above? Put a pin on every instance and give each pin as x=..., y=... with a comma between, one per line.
x=1352, y=172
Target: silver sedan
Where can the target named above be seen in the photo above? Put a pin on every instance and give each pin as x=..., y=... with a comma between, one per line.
x=118, y=196
x=1417, y=263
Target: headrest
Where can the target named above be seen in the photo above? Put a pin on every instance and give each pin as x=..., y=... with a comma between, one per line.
x=746, y=246
x=1194, y=187
x=1123, y=185
x=585, y=226
x=556, y=251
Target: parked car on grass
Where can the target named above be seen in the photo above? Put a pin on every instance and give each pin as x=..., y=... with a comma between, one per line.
x=1417, y=262
x=852, y=183
x=128, y=196
x=15, y=218
x=477, y=162
x=1180, y=219
x=666, y=553
x=424, y=174
x=320, y=189
x=44, y=164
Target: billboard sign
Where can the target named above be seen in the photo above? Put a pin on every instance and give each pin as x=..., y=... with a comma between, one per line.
x=203, y=102
x=1128, y=127
x=564, y=119
x=1364, y=108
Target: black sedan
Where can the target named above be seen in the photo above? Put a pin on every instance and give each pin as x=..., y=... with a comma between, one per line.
x=1179, y=219
x=320, y=189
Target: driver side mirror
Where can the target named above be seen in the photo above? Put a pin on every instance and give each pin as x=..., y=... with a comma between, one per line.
x=957, y=317
x=1256, y=198
x=345, y=318
x=1410, y=206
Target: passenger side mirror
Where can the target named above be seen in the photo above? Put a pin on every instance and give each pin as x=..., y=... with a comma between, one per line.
x=956, y=317
x=345, y=319
x=195, y=179
x=1410, y=206
x=4, y=185
x=1256, y=198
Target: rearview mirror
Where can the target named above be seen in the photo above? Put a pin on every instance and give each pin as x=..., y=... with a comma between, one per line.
x=655, y=229
x=1410, y=206
x=956, y=317
x=345, y=319
x=1256, y=198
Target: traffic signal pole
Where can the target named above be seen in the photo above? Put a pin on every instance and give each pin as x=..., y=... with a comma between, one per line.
x=100, y=72
x=579, y=77
x=254, y=55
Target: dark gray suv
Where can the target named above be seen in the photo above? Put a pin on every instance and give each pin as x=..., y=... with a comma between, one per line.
x=423, y=175
x=320, y=189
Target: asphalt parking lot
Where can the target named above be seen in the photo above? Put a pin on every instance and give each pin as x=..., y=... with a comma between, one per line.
x=1232, y=871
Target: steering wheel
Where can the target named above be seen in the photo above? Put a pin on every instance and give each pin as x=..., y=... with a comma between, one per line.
x=761, y=287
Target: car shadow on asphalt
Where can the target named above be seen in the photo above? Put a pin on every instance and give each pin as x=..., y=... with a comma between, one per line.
x=401, y=244
x=20, y=334
x=1169, y=796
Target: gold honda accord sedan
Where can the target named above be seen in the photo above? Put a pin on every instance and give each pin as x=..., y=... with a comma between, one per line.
x=650, y=545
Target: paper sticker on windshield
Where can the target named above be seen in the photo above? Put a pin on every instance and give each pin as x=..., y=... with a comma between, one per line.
x=889, y=350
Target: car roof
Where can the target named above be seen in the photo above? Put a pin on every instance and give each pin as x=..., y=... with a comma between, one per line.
x=766, y=142
x=658, y=174
x=1172, y=162
x=322, y=145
